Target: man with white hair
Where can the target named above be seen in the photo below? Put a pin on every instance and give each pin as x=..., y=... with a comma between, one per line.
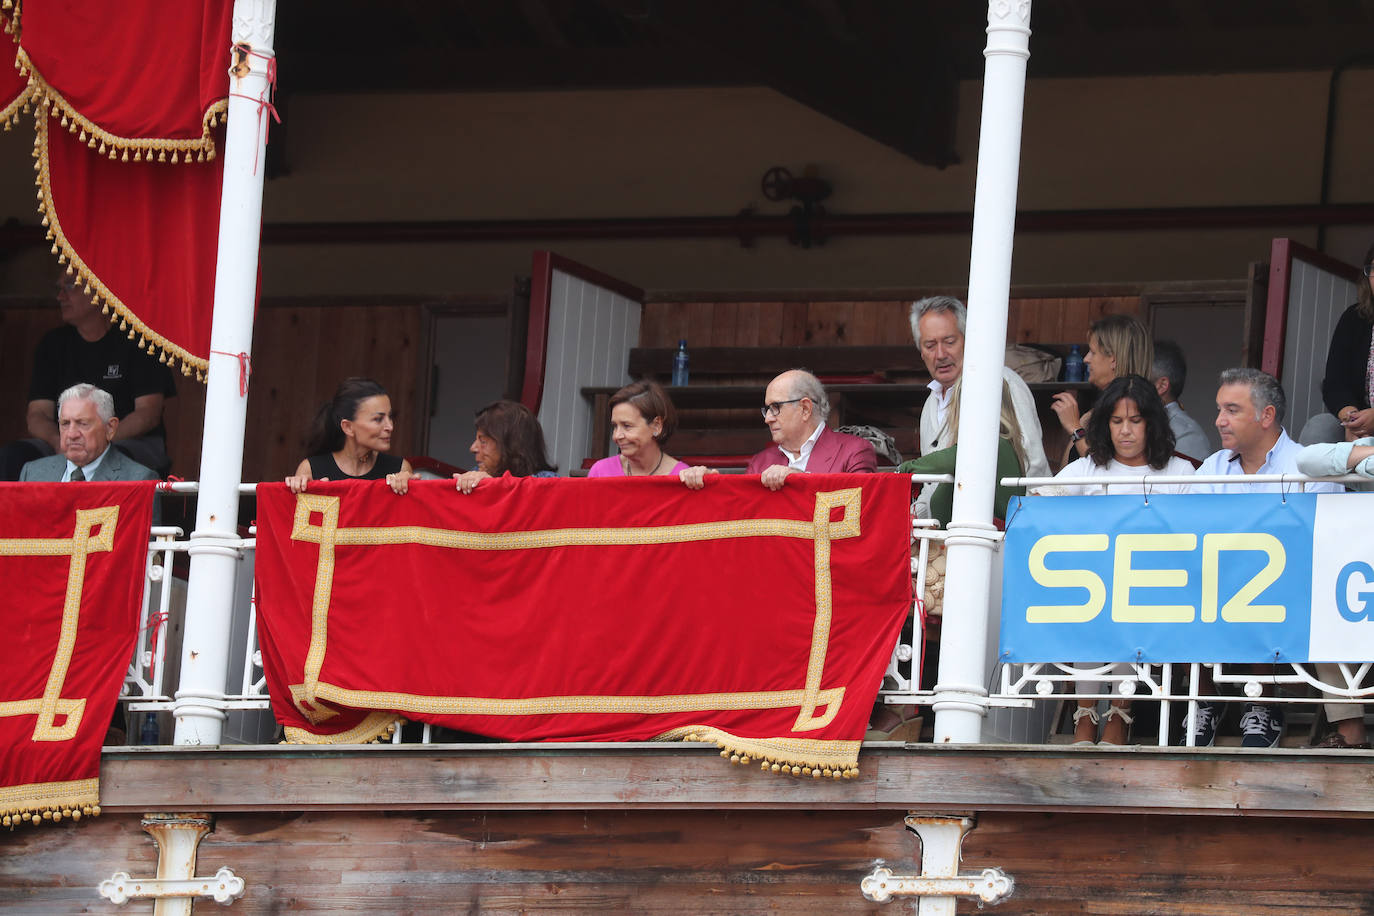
x=937, y=324
x=86, y=424
x=795, y=408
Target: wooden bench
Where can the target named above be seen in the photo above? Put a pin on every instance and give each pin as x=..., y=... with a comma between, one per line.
x=835, y=362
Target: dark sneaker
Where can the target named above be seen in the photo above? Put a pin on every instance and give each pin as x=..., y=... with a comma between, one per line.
x=1260, y=726
x=1204, y=725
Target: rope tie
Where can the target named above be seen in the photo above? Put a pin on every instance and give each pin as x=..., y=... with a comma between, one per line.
x=245, y=369
x=264, y=102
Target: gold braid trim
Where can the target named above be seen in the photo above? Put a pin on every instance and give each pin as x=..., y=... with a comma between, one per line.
x=102, y=141
x=377, y=727
x=50, y=802
x=113, y=306
x=786, y=756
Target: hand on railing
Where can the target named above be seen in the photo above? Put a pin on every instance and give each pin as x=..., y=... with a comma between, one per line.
x=695, y=478
x=468, y=481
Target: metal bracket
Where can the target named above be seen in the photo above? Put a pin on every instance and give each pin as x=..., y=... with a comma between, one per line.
x=225, y=887
x=942, y=840
x=174, y=889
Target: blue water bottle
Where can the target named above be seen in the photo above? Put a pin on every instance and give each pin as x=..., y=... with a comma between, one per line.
x=1074, y=370
x=680, y=364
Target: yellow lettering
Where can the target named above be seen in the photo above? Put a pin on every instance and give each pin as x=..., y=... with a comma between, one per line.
x=1125, y=578
x=1067, y=578
x=1239, y=609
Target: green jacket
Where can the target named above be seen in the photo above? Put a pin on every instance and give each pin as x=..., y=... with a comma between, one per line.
x=942, y=462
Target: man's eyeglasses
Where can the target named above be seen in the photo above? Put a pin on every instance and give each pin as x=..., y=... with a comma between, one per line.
x=1369, y=270
x=773, y=409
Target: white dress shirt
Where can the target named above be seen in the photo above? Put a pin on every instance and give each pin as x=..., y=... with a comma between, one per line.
x=798, y=461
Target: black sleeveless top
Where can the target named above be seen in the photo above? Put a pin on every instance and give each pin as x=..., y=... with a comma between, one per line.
x=325, y=467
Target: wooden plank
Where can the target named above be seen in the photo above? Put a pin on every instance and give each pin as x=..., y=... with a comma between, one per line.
x=1219, y=781
x=792, y=860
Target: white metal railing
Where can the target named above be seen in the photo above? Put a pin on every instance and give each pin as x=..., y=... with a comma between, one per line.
x=148, y=686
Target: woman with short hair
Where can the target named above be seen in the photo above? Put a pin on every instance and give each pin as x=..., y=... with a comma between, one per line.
x=643, y=419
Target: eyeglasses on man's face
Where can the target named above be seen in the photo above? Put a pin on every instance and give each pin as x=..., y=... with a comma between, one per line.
x=1368, y=270
x=773, y=409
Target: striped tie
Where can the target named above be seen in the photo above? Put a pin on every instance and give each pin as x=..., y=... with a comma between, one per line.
x=78, y=474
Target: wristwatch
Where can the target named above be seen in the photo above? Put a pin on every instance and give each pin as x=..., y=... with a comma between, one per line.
x=1078, y=434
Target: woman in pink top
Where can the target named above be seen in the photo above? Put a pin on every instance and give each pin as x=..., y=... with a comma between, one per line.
x=642, y=420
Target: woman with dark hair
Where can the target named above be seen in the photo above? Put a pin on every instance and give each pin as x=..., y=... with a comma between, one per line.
x=1128, y=435
x=1348, y=385
x=642, y=421
x=350, y=437
x=510, y=441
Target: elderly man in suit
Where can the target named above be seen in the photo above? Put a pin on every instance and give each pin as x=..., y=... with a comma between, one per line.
x=86, y=424
x=795, y=409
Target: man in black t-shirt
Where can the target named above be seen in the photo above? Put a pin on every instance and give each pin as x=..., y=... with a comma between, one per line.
x=87, y=348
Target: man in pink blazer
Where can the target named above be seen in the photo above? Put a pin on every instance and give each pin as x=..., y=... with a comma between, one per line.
x=795, y=409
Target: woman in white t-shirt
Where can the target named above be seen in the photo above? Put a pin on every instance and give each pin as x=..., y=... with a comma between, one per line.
x=1128, y=436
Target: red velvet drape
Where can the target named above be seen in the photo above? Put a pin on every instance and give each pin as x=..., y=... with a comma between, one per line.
x=79, y=550
x=127, y=99
x=607, y=610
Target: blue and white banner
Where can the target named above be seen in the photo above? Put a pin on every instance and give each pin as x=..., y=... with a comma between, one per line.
x=1256, y=577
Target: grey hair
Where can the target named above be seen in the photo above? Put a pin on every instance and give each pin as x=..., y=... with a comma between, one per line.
x=806, y=385
x=1169, y=363
x=104, y=403
x=936, y=304
x=1265, y=390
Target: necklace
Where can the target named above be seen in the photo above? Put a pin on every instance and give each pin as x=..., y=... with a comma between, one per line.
x=628, y=467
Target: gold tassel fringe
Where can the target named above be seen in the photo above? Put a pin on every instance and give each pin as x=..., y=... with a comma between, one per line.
x=110, y=304
x=817, y=759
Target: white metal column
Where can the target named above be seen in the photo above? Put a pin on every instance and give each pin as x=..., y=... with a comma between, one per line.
x=961, y=695
x=214, y=542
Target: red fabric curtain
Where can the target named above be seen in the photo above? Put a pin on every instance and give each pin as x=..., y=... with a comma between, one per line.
x=607, y=610
x=79, y=549
x=127, y=99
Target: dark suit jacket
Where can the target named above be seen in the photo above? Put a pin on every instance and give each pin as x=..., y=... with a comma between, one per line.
x=833, y=453
x=115, y=466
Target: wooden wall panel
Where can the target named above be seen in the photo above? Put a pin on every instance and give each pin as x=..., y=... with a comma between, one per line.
x=858, y=322
x=21, y=326
x=301, y=353
x=739, y=862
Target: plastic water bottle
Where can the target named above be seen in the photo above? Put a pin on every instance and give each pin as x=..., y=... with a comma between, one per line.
x=680, y=364
x=1074, y=370
x=148, y=733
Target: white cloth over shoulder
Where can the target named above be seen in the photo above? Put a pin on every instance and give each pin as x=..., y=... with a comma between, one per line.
x=1086, y=467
